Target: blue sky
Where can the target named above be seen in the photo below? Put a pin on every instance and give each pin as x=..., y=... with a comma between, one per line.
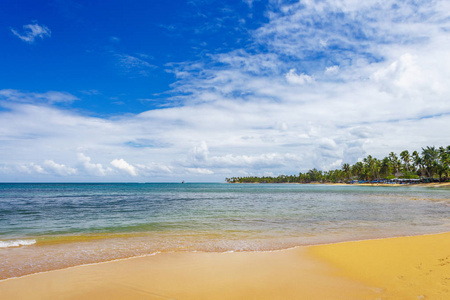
x=112, y=54
x=203, y=90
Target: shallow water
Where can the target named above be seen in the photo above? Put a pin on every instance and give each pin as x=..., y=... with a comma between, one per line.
x=50, y=226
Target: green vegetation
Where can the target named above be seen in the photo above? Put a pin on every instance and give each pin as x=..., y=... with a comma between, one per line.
x=432, y=164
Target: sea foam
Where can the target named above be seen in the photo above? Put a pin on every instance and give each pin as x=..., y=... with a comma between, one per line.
x=16, y=243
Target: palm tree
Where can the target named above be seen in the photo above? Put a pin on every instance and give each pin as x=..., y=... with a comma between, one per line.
x=315, y=175
x=444, y=166
x=357, y=169
x=385, y=167
x=376, y=167
x=395, y=163
x=406, y=160
x=429, y=158
x=432, y=161
x=346, y=169
x=373, y=167
x=417, y=160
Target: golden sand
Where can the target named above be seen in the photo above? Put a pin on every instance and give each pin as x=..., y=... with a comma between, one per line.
x=405, y=268
x=397, y=268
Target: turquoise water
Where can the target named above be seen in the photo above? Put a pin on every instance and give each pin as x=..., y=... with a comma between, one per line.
x=49, y=226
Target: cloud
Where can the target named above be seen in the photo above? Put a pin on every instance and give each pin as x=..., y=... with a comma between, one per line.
x=31, y=32
x=59, y=169
x=122, y=165
x=49, y=97
x=404, y=77
x=332, y=70
x=92, y=92
x=134, y=65
x=300, y=79
x=31, y=168
x=249, y=2
x=154, y=168
x=201, y=171
x=200, y=152
x=91, y=168
x=4, y=168
x=261, y=161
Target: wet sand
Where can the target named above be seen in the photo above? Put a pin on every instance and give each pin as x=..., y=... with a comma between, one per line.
x=395, y=268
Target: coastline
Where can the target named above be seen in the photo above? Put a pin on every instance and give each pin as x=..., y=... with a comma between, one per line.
x=415, y=267
x=431, y=184
x=307, y=215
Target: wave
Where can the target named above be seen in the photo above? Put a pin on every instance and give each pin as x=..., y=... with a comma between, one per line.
x=16, y=243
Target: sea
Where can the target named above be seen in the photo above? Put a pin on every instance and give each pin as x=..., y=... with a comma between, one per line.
x=48, y=226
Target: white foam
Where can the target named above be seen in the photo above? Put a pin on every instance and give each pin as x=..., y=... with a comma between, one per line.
x=16, y=243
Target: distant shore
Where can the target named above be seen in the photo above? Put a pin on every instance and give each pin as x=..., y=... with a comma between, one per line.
x=393, y=268
x=431, y=184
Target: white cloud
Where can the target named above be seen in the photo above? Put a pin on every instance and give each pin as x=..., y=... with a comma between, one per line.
x=122, y=165
x=200, y=152
x=332, y=70
x=31, y=32
x=404, y=77
x=59, y=169
x=31, y=168
x=49, y=97
x=154, y=168
x=300, y=79
x=201, y=171
x=265, y=160
x=91, y=168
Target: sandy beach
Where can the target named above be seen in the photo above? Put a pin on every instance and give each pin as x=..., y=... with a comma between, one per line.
x=427, y=185
x=415, y=267
x=430, y=185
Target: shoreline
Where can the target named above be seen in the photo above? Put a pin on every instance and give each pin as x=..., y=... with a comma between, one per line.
x=430, y=184
x=272, y=250
x=319, y=261
x=408, y=211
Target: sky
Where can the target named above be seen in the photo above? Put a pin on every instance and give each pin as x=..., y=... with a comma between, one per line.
x=164, y=91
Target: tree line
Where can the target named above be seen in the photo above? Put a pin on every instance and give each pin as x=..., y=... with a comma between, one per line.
x=431, y=164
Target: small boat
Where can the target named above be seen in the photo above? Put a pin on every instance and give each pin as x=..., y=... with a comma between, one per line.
x=182, y=181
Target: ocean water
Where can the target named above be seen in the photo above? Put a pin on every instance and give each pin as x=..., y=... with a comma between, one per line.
x=51, y=226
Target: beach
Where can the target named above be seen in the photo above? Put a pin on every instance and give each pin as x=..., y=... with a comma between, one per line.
x=223, y=241
x=415, y=267
x=428, y=185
